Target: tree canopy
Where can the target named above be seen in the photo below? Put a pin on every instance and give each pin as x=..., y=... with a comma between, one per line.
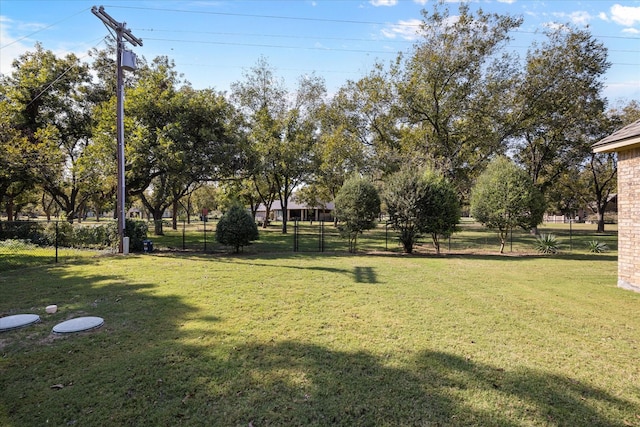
x=505, y=197
x=457, y=99
x=357, y=208
x=421, y=202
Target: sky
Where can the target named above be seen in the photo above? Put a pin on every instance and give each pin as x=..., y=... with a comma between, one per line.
x=216, y=42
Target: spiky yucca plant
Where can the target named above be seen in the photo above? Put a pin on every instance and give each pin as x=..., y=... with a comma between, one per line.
x=597, y=247
x=547, y=244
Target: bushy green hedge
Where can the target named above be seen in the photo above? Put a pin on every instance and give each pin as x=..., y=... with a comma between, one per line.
x=65, y=234
x=20, y=230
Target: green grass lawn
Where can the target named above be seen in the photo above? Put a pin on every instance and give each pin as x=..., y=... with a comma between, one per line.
x=282, y=338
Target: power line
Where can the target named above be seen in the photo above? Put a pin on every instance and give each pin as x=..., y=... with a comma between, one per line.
x=250, y=15
x=43, y=28
x=273, y=46
x=282, y=36
x=279, y=36
x=304, y=18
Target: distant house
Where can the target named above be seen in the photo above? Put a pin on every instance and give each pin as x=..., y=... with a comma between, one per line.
x=626, y=142
x=296, y=212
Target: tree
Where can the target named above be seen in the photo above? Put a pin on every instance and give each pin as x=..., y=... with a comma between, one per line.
x=505, y=197
x=236, y=228
x=421, y=202
x=176, y=137
x=453, y=91
x=556, y=101
x=282, y=128
x=357, y=207
x=53, y=111
x=441, y=208
x=16, y=154
x=359, y=131
x=599, y=175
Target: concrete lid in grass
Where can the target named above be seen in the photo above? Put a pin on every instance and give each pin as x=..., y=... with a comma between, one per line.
x=79, y=324
x=18, y=321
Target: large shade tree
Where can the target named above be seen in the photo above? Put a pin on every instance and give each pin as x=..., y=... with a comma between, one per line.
x=556, y=102
x=282, y=128
x=176, y=137
x=453, y=87
x=52, y=108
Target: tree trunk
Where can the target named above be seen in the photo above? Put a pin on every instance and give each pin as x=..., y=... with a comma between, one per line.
x=157, y=223
x=174, y=216
x=267, y=214
x=284, y=217
x=600, y=221
x=436, y=243
x=9, y=208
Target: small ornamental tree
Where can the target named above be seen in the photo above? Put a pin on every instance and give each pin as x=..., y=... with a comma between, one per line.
x=236, y=228
x=357, y=206
x=421, y=203
x=403, y=197
x=504, y=197
x=441, y=208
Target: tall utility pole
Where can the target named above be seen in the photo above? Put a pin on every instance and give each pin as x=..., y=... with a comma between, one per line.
x=122, y=32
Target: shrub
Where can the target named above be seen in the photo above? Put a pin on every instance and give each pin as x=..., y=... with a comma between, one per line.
x=504, y=197
x=99, y=236
x=136, y=231
x=357, y=208
x=421, y=202
x=547, y=244
x=236, y=228
x=62, y=229
x=21, y=230
x=597, y=247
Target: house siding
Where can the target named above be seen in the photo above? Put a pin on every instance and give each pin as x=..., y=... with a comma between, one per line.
x=629, y=219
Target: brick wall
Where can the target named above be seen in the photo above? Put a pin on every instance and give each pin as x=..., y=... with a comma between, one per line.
x=629, y=219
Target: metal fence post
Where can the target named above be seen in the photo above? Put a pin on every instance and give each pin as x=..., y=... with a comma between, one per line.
x=205, y=234
x=56, y=244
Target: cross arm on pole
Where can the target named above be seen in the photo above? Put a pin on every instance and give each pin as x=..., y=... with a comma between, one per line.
x=115, y=25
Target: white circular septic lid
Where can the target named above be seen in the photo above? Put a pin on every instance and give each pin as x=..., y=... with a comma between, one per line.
x=18, y=321
x=78, y=324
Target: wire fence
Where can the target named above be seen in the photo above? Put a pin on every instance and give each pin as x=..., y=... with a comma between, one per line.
x=28, y=243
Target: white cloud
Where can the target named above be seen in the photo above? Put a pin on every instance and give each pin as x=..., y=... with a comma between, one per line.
x=407, y=30
x=603, y=16
x=507, y=1
x=627, y=16
x=631, y=31
x=383, y=2
x=10, y=47
x=576, y=18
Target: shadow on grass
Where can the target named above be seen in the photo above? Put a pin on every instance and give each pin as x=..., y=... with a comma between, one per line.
x=144, y=367
x=292, y=383
x=507, y=257
x=91, y=372
x=360, y=274
x=365, y=275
